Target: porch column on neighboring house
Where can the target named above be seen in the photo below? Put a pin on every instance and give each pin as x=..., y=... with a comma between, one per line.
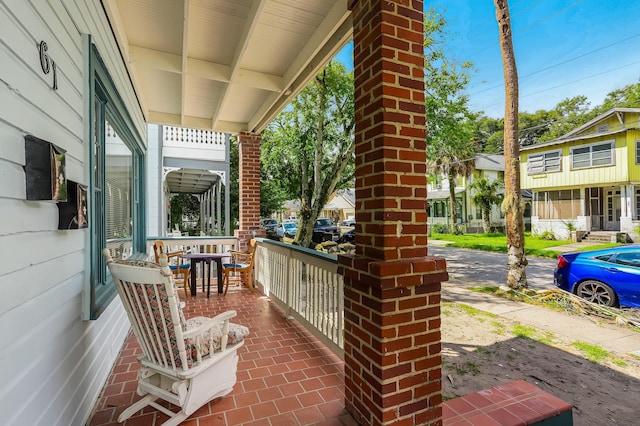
x=392, y=287
x=626, y=209
x=249, y=178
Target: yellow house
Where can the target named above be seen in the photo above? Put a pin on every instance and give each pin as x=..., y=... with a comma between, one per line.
x=589, y=178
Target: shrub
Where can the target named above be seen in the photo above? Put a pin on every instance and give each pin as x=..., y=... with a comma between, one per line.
x=546, y=235
x=440, y=228
x=458, y=230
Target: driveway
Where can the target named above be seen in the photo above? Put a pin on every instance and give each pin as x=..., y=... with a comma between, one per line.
x=469, y=268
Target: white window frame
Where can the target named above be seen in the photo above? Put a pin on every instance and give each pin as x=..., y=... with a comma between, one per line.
x=544, y=162
x=590, y=147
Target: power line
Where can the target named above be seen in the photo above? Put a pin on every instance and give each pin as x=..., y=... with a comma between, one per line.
x=573, y=81
x=561, y=63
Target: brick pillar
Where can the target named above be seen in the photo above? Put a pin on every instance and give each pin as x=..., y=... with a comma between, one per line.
x=392, y=288
x=249, y=177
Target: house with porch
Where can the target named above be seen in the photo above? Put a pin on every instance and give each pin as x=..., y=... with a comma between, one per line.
x=468, y=214
x=84, y=85
x=589, y=178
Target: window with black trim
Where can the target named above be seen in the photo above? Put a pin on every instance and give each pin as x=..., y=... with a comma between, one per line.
x=116, y=161
x=595, y=155
x=544, y=162
x=637, y=151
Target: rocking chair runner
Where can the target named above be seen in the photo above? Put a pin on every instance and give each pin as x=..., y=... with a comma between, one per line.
x=184, y=362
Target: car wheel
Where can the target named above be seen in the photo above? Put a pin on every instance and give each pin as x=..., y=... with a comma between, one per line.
x=597, y=292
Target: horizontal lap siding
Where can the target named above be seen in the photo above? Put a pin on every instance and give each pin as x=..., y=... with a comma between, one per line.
x=54, y=364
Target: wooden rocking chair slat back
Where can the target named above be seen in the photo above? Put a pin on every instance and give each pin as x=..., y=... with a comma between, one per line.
x=186, y=363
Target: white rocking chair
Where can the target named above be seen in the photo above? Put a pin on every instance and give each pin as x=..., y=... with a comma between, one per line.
x=185, y=362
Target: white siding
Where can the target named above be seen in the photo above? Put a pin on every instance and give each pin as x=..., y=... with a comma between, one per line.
x=52, y=363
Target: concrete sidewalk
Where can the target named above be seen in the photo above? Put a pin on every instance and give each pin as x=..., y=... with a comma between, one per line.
x=612, y=337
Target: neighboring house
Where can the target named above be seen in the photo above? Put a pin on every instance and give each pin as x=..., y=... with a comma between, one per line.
x=589, y=177
x=190, y=161
x=341, y=206
x=467, y=213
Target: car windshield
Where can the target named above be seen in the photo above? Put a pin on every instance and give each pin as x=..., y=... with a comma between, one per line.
x=324, y=222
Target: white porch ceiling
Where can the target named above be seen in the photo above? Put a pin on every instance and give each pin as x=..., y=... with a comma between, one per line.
x=225, y=65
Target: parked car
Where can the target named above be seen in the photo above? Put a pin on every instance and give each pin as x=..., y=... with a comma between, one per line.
x=325, y=230
x=350, y=221
x=286, y=229
x=609, y=276
x=348, y=237
x=268, y=224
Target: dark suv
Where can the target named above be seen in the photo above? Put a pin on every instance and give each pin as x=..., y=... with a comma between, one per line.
x=325, y=230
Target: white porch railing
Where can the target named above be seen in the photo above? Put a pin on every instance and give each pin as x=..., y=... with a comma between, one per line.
x=181, y=142
x=305, y=283
x=194, y=244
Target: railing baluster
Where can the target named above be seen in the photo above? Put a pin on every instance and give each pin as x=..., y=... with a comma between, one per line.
x=307, y=287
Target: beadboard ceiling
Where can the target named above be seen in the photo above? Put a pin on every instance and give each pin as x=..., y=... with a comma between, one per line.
x=224, y=65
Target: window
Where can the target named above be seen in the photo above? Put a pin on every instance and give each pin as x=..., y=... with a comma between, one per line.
x=596, y=155
x=116, y=161
x=638, y=151
x=629, y=259
x=638, y=204
x=544, y=162
x=563, y=204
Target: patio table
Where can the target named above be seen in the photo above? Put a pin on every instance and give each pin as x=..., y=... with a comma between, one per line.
x=205, y=259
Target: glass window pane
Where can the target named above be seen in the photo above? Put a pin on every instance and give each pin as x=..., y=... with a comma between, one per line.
x=118, y=194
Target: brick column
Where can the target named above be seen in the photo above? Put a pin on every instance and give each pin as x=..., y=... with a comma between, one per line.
x=249, y=177
x=392, y=288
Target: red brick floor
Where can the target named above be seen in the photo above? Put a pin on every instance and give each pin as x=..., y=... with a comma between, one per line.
x=285, y=376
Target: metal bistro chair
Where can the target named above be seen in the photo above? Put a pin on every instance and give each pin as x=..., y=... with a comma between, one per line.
x=184, y=362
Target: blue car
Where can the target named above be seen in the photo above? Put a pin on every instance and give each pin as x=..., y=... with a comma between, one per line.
x=608, y=277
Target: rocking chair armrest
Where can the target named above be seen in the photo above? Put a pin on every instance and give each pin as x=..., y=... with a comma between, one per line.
x=223, y=317
x=212, y=322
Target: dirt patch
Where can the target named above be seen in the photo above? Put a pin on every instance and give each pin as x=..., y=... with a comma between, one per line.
x=480, y=350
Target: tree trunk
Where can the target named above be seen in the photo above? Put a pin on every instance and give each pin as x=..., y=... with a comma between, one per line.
x=452, y=201
x=486, y=222
x=512, y=204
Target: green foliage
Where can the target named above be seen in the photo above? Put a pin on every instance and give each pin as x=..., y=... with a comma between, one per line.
x=485, y=195
x=497, y=242
x=546, y=235
x=184, y=206
x=543, y=125
x=592, y=352
x=234, y=178
x=307, y=152
x=440, y=228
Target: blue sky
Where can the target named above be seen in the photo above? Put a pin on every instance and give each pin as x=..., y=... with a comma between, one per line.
x=564, y=48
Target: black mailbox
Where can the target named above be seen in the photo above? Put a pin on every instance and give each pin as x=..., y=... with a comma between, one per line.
x=44, y=169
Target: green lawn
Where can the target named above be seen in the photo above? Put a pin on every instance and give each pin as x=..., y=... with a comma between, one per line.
x=498, y=242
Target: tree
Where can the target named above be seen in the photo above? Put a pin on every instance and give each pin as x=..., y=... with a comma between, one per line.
x=184, y=206
x=485, y=196
x=512, y=204
x=309, y=148
x=451, y=145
